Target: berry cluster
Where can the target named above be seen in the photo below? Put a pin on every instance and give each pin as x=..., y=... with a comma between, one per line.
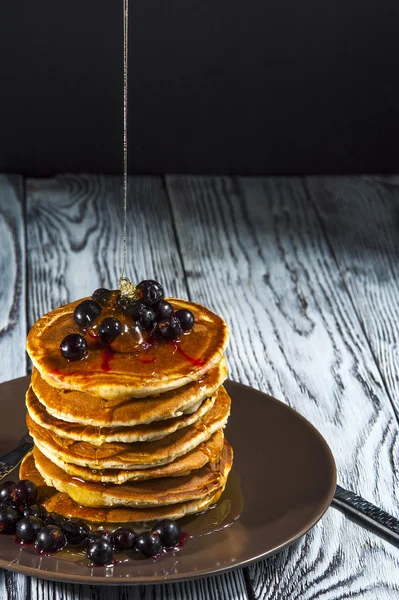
x=163, y=536
x=50, y=532
x=149, y=311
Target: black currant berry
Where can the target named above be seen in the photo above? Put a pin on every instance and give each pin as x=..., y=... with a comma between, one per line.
x=163, y=310
x=170, y=328
x=109, y=330
x=6, y=488
x=86, y=313
x=28, y=528
x=124, y=539
x=24, y=493
x=169, y=532
x=74, y=347
x=102, y=296
x=50, y=539
x=186, y=319
x=145, y=316
x=100, y=552
x=9, y=518
x=76, y=531
x=151, y=292
x=100, y=534
x=149, y=543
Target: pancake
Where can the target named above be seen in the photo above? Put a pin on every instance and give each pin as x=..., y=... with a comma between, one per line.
x=139, y=494
x=149, y=369
x=197, y=458
x=78, y=407
x=61, y=503
x=139, y=455
x=100, y=435
x=64, y=505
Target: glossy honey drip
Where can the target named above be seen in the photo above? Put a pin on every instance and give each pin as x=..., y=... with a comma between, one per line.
x=125, y=109
x=200, y=425
x=212, y=453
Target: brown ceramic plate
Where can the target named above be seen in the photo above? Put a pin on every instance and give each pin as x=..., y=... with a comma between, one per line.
x=283, y=481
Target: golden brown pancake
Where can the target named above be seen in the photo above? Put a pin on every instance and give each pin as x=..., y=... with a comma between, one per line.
x=64, y=505
x=79, y=407
x=61, y=503
x=162, y=367
x=100, y=435
x=140, y=494
x=139, y=455
x=197, y=458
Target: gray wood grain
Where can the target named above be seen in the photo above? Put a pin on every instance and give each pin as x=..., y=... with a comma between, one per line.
x=275, y=264
x=74, y=242
x=360, y=216
x=12, y=272
x=254, y=251
x=14, y=586
x=75, y=239
x=231, y=586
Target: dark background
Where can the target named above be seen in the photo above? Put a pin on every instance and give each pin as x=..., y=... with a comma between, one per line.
x=221, y=86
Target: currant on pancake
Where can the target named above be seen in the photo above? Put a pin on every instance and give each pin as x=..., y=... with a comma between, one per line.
x=149, y=311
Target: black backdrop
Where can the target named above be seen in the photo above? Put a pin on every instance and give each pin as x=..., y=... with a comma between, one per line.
x=223, y=86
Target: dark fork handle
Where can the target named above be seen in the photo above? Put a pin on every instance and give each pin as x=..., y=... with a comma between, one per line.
x=368, y=514
x=9, y=461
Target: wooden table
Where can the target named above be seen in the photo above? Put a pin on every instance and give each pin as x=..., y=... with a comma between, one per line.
x=306, y=273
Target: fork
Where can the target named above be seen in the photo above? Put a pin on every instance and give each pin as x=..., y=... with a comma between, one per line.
x=12, y=459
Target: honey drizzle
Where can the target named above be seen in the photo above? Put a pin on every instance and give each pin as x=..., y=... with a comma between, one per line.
x=212, y=453
x=125, y=107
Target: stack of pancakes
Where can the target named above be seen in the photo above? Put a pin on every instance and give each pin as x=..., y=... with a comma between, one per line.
x=129, y=434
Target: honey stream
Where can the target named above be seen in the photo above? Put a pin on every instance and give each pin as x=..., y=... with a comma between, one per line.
x=125, y=114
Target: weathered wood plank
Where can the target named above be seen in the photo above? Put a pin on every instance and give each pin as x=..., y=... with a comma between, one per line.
x=74, y=241
x=14, y=586
x=12, y=270
x=336, y=561
x=254, y=251
x=51, y=590
x=361, y=218
x=230, y=587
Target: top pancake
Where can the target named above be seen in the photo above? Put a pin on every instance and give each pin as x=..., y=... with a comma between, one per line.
x=162, y=367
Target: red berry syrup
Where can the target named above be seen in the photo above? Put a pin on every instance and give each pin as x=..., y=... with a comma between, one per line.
x=196, y=362
x=107, y=357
